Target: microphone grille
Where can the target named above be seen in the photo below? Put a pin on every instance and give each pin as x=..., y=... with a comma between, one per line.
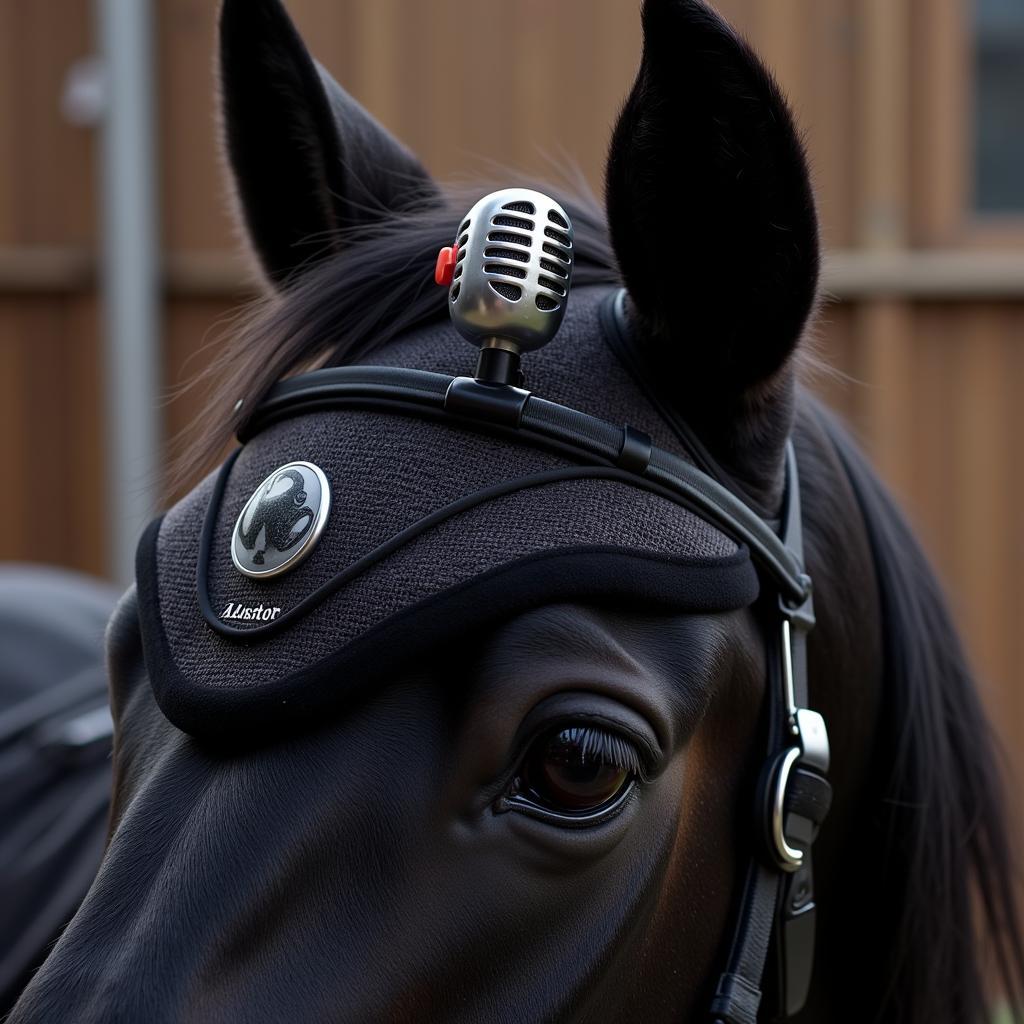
x=514, y=269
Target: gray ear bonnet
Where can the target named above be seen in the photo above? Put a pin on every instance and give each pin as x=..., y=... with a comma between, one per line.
x=435, y=533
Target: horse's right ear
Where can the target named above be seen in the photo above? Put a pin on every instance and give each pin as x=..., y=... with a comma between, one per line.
x=309, y=163
x=711, y=211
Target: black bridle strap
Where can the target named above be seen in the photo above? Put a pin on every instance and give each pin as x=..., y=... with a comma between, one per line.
x=773, y=904
x=462, y=400
x=777, y=903
x=737, y=998
x=619, y=338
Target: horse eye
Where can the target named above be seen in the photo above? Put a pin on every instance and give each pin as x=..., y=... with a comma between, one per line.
x=576, y=769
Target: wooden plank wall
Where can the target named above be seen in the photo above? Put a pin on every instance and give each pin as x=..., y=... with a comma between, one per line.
x=49, y=380
x=880, y=86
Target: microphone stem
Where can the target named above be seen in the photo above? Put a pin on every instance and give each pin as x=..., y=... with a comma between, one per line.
x=499, y=366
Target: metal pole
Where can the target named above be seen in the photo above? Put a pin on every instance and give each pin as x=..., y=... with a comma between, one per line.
x=130, y=277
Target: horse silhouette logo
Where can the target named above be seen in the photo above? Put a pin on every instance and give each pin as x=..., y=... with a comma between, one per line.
x=282, y=521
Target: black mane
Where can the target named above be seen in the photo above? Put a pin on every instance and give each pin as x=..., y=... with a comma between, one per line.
x=935, y=886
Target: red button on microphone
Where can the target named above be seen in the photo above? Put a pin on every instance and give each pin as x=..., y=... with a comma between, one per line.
x=444, y=270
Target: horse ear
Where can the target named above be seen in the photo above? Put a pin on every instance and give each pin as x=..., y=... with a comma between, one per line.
x=309, y=163
x=710, y=208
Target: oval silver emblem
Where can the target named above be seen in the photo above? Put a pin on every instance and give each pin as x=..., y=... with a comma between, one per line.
x=281, y=523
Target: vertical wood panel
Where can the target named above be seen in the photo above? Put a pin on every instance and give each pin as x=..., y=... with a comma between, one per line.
x=941, y=63
x=828, y=116
x=47, y=176
x=84, y=459
x=375, y=59
x=882, y=155
x=780, y=31
x=10, y=149
x=50, y=433
x=930, y=435
x=883, y=173
x=1011, y=672
x=14, y=442
x=193, y=196
x=885, y=363
x=979, y=497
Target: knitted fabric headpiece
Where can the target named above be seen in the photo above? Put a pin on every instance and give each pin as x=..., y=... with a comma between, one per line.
x=582, y=540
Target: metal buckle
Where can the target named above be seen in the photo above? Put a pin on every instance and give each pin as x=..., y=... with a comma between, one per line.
x=789, y=858
x=812, y=748
x=807, y=726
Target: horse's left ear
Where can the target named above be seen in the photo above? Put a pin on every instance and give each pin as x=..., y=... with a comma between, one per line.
x=710, y=208
x=309, y=163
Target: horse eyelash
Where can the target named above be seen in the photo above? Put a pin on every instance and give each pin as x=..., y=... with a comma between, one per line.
x=611, y=748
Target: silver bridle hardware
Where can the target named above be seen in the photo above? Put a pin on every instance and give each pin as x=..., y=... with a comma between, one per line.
x=812, y=748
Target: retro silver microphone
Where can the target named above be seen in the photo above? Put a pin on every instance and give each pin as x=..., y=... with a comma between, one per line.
x=508, y=277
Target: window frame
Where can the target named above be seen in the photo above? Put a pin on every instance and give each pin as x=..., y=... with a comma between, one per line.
x=943, y=82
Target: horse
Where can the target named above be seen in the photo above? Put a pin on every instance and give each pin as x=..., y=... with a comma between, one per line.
x=55, y=731
x=506, y=769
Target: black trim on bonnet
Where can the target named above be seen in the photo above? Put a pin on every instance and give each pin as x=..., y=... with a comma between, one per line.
x=241, y=713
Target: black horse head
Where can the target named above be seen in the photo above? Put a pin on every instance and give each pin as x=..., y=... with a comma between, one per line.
x=479, y=782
